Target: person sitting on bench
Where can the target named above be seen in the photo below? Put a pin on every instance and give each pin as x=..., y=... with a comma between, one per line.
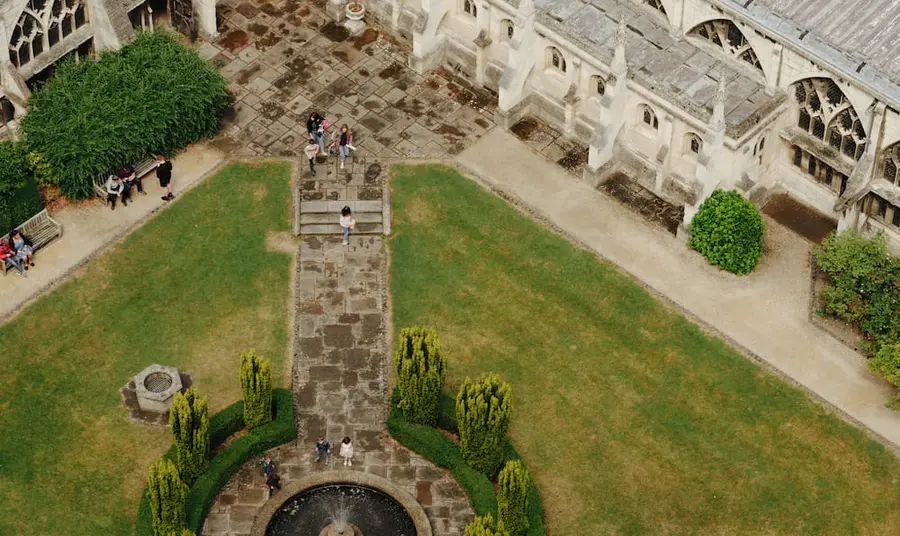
x=114, y=189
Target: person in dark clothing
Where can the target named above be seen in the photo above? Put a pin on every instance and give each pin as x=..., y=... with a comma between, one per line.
x=268, y=466
x=273, y=483
x=164, y=174
x=23, y=247
x=311, y=150
x=316, y=125
x=131, y=180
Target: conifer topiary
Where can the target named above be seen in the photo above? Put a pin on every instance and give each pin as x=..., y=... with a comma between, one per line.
x=483, y=409
x=421, y=369
x=256, y=385
x=189, y=419
x=484, y=526
x=512, y=497
x=728, y=231
x=167, y=494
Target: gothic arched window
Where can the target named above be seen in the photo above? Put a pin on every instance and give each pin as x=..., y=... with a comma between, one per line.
x=649, y=117
x=825, y=113
x=657, y=5
x=507, y=28
x=598, y=85
x=725, y=35
x=42, y=25
x=891, y=166
x=692, y=143
x=556, y=60
x=470, y=8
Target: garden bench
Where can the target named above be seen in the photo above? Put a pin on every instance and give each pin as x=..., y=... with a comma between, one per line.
x=41, y=229
x=142, y=168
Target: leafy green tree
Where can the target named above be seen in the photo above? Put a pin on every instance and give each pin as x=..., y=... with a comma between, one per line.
x=887, y=363
x=167, y=495
x=189, y=418
x=256, y=385
x=421, y=370
x=484, y=526
x=19, y=196
x=483, y=409
x=512, y=497
x=728, y=231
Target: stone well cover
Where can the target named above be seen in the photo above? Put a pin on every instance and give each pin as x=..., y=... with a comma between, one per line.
x=155, y=387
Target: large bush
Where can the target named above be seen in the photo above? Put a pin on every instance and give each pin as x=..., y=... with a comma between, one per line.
x=512, y=498
x=863, y=285
x=887, y=363
x=19, y=196
x=728, y=231
x=256, y=385
x=483, y=410
x=421, y=369
x=166, y=494
x=152, y=96
x=189, y=419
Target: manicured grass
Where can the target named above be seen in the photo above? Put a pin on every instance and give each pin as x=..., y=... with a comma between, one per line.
x=631, y=420
x=191, y=288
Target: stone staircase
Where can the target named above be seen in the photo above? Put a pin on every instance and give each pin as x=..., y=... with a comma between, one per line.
x=360, y=185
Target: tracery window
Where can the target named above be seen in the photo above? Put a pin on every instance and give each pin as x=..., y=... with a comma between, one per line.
x=827, y=114
x=42, y=25
x=881, y=209
x=507, y=28
x=598, y=85
x=470, y=8
x=657, y=5
x=890, y=168
x=726, y=35
x=556, y=60
x=648, y=117
x=693, y=143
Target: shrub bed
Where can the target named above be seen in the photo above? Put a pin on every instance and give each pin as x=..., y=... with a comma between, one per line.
x=154, y=95
x=436, y=447
x=229, y=460
x=19, y=196
x=728, y=231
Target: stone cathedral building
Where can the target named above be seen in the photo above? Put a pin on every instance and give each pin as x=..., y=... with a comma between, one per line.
x=683, y=96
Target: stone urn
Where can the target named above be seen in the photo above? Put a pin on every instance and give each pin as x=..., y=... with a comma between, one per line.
x=355, y=11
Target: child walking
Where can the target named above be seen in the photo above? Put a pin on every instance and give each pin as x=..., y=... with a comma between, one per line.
x=311, y=150
x=347, y=452
x=347, y=222
x=323, y=448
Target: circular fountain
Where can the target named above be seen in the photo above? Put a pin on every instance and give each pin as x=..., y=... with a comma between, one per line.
x=342, y=503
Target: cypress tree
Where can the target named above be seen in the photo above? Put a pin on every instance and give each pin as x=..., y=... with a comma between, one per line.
x=421, y=369
x=484, y=526
x=189, y=418
x=512, y=497
x=167, y=495
x=483, y=409
x=256, y=385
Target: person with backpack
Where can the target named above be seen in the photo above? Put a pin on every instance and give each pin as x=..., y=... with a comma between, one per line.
x=316, y=125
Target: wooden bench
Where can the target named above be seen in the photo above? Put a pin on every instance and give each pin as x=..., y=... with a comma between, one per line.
x=142, y=168
x=41, y=229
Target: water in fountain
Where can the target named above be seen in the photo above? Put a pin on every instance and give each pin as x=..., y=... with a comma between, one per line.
x=330, y=509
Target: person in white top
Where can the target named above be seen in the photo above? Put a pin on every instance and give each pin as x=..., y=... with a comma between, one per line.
x=347, y=452
x=347, y=222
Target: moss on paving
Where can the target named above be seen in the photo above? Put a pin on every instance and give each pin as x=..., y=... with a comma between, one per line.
x=191, y=288
x=632, y=420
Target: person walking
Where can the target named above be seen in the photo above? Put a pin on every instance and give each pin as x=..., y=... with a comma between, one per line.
x=347, y=222
x=345, y=143
x=114, y=190
x=23, y=247
x=312, y=150
x=268, y=466
x=8, y=256
x=273, y=482
x=347, y=452
x=323, y=448
x=164, y=174
x=316, y=125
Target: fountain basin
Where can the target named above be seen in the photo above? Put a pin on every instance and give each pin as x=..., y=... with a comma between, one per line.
x=377, y=507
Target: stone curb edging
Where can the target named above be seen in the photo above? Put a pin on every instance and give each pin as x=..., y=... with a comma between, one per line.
x=407, y=501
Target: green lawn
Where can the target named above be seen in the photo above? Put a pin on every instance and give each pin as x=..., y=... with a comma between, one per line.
x=631, y=420
x=191, y=288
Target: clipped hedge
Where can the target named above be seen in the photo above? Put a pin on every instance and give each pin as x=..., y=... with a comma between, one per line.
x=223, y=425
x=728, y=231
x=154, y=95
x=440, y=450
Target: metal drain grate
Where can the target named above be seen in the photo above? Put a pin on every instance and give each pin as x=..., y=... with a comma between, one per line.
x=158, y=382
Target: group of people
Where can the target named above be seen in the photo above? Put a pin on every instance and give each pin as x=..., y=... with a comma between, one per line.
x=119, y=185
x=17, y=252
x=323, y=449
x=341, y=143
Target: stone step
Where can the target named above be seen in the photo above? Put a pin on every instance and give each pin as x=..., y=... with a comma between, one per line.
x=335, y=229
x=336, y=206
x=329, y=217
